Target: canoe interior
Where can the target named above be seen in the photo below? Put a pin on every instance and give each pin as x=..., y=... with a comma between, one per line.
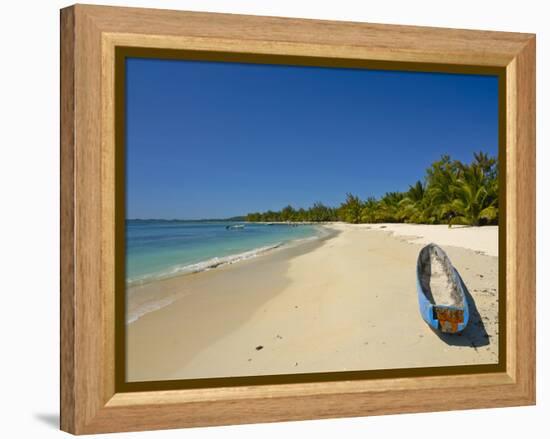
x=441, y=297
x=438, y=279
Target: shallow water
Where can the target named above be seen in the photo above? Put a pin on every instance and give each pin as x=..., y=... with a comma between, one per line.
x=158, y=249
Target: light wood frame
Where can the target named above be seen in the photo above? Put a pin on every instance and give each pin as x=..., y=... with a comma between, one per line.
x=89, y=36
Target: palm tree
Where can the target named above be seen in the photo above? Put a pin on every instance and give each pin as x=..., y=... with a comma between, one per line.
x=287, y=214
x=486, y=163
x=368, y=212
x=350, y=210
x=476, y=196
x=412, y=207
x=320, y=212
x=441, y=180
x=388, y=207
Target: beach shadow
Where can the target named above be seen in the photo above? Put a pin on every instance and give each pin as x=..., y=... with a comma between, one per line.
x=475, y=334
x=50, y=419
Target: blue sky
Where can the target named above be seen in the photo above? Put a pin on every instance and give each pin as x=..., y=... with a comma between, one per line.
x=213, y=140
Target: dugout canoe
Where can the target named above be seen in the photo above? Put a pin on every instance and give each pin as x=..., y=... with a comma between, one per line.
x=441, y=298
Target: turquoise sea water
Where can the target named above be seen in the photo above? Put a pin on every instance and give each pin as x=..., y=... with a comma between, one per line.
x=157, y=249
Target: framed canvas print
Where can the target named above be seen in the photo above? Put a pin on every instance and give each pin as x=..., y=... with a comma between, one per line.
x=269, y=219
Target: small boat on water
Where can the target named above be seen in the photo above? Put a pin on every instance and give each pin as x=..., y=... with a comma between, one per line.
x=235, y=227
x=442, y=301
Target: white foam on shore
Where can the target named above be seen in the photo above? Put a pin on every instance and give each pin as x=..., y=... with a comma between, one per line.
x=147, y=308
x=206, y=265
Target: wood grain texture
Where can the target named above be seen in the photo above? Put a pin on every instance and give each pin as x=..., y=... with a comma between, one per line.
x=90, y=317
x=67, y=232
x=525, y=220
x=89, y=36
x=511, y=212
x=108, y=205
x=374, y=41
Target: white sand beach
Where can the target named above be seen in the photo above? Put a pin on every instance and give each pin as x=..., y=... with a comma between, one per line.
x=480, y=239
x=345, y=303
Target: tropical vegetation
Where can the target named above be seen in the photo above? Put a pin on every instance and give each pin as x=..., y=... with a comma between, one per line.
x=451, y=192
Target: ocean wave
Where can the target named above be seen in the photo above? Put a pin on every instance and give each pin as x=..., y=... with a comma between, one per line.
x=208, y=264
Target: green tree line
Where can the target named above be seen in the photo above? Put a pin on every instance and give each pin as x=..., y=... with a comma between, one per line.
x=451, y=192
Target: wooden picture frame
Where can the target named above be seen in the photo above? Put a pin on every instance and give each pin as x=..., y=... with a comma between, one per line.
x=91, y=400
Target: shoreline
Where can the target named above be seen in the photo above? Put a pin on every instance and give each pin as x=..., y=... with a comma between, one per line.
x=465, y=237
x=217, y=261
x=321, y=306
x=151, y=295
